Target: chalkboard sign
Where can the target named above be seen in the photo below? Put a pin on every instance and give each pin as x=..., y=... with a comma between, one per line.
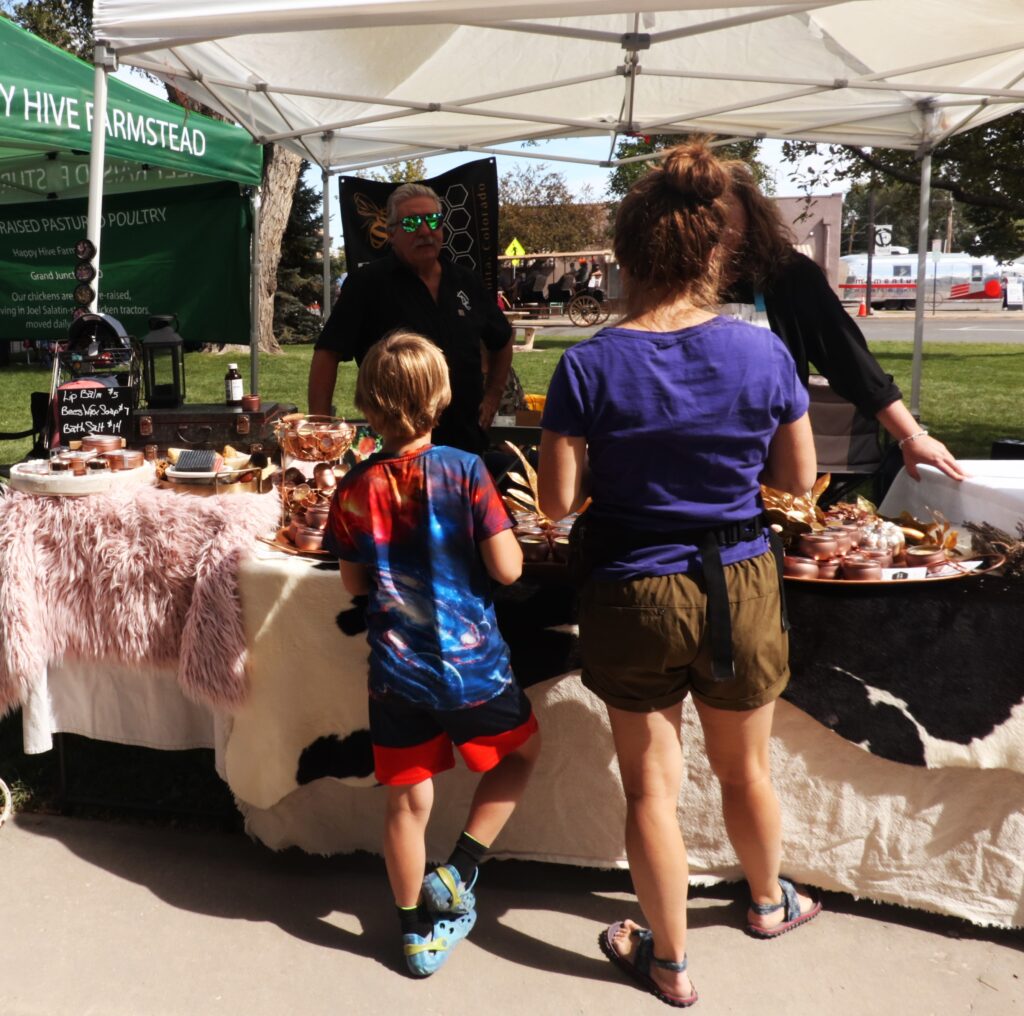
x=92, y=410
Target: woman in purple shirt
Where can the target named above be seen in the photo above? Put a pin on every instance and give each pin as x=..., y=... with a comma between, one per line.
x=670, y=421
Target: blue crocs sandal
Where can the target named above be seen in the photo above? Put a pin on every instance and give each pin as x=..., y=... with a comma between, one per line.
x=792, y=913
x=424, y=956
x=445, y=893
x=638, y=968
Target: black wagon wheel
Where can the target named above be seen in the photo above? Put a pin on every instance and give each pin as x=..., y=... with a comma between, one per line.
x=584, y=310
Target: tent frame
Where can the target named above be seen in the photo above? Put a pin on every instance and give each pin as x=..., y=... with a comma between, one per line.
x=173, y=49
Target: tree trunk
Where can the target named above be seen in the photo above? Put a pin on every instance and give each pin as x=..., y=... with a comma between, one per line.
x=280, y=173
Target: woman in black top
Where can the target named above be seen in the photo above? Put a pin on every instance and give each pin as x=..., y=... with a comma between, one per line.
x=805, y=312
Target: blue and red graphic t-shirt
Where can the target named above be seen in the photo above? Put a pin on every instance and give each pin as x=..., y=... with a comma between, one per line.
x=415, y=521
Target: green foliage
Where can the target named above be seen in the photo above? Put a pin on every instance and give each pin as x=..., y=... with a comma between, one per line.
x=409, y=171
x=65, y=23
x=979, y=169
x=539, y=210
x=623, y=177
x=300, y=270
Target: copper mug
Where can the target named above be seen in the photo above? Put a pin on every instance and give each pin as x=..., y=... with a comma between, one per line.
x=819, y=546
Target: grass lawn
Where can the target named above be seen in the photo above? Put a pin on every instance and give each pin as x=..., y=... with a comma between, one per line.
x=970, y=393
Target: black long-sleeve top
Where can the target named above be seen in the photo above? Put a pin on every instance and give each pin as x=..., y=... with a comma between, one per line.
x=806, y=314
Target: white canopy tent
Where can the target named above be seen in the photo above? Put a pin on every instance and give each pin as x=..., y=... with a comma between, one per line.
x=349, y=85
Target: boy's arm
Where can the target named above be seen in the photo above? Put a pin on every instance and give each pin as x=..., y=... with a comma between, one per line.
x=503, y=557
x=355, y=577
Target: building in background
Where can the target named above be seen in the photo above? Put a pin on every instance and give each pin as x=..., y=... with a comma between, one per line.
x=816, y=223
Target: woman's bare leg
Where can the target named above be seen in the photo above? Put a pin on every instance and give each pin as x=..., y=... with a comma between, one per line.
x=737, y=746
x=650, y=760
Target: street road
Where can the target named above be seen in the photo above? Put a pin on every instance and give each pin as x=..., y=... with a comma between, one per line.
x=946, y=326
x=887, y=326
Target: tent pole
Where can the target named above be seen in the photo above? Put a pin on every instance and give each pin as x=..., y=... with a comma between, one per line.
x=104, y=61
x=255, y=285
x=325, y=304
x=922, y=262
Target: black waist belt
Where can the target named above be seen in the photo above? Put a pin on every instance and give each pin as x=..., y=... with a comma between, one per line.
x=604, y=542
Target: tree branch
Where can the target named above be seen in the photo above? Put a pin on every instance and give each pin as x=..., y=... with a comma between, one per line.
x=962, y=194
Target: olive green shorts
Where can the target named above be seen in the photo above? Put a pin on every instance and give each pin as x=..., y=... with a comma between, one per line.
x=645, y=642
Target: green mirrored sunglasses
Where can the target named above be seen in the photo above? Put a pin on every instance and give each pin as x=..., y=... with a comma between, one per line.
x=410, y=223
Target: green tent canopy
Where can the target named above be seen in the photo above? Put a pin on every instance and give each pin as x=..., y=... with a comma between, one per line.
x=46, y=103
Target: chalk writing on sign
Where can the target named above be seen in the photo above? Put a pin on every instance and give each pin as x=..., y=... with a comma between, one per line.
x=82, y=411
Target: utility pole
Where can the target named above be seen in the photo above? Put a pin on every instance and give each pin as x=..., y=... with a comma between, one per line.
x=871, y=245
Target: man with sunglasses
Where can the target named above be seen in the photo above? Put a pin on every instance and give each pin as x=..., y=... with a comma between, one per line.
x=414, y=288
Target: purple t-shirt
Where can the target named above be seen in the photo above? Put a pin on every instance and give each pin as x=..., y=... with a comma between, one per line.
x=678, y=426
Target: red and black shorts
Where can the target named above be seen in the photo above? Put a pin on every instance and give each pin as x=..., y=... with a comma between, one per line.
x=411, y=743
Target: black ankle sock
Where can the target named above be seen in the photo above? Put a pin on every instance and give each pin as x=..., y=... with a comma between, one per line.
x=466, y=857
x=415, y=921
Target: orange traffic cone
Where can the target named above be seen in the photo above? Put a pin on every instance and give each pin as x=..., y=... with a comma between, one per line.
x=862, y=310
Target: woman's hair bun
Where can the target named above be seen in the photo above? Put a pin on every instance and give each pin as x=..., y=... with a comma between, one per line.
x=693, y=171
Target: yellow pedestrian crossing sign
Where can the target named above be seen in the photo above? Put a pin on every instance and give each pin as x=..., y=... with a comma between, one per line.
x=514, y=250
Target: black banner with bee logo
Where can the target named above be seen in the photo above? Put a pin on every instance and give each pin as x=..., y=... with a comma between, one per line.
x=470, y=196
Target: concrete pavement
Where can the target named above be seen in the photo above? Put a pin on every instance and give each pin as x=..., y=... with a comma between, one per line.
x=110, y=919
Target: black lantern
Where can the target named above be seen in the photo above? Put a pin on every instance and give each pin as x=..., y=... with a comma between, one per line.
x=163, y=363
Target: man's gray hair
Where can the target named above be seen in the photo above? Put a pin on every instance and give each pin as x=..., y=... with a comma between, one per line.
x=404, y=193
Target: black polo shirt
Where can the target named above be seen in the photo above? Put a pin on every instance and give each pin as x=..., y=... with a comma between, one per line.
x=386, y=294
x=807, y=315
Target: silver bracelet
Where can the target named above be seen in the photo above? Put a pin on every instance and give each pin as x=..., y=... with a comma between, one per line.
x=910, y=437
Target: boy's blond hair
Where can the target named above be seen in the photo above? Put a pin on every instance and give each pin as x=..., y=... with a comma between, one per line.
x=403, y=385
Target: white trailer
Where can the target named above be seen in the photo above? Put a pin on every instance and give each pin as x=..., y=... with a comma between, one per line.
x=952, y=281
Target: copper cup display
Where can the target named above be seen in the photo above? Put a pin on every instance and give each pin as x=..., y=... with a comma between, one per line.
x=883, y=557
x=799, y=567
x=123, y=458
x=843, y=538
x=819, y=546
x=100, y=442
x=829, y=569
x=307, y=538
x=77, y=464
x=314, y=438
x=932, y=558
x=324, y=476
x=560, y=548
x=317, y=515
x=858, y=568
x=535, y=548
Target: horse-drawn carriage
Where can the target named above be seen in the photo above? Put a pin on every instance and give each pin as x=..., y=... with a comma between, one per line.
x=576, y=284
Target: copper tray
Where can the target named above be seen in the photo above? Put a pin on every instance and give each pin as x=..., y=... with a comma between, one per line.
x=989, y=563
x=281, y=542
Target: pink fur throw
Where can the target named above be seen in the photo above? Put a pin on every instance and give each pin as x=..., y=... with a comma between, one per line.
x=146, y=575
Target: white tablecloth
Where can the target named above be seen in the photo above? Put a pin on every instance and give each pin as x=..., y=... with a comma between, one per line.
x=944, y=840
x=994, y=493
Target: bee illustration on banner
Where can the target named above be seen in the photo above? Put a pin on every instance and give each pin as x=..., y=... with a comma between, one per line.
x=375, y=220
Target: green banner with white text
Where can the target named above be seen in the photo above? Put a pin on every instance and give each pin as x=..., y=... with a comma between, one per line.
x=46, y=106
x=183, y=251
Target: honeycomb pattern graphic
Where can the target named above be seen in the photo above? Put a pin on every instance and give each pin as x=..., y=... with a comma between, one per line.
x=458, y=241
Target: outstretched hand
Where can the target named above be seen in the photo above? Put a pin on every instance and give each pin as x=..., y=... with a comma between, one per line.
x=927, y=451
